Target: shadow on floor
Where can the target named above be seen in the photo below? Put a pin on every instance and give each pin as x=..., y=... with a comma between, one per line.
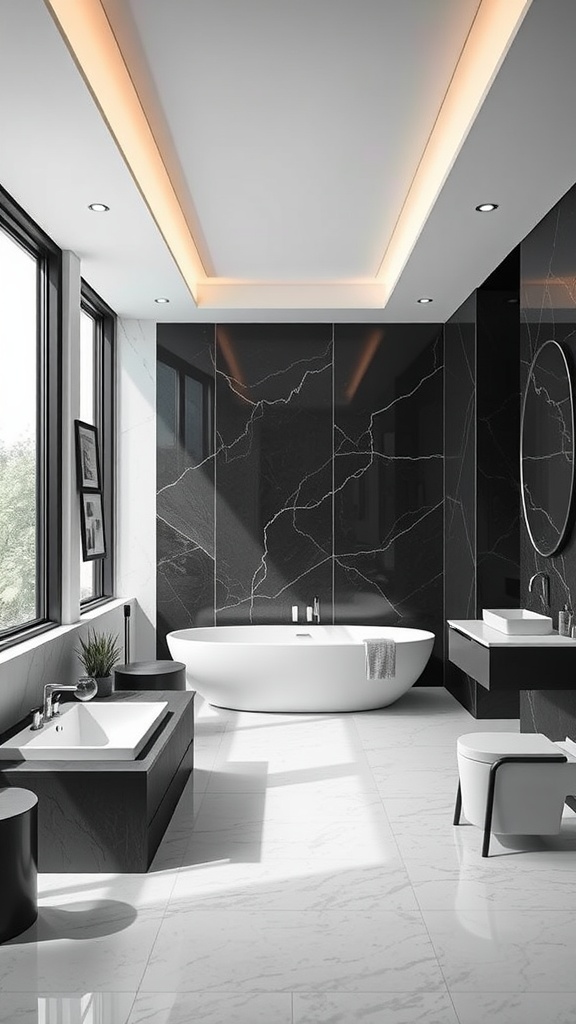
x=90, y=920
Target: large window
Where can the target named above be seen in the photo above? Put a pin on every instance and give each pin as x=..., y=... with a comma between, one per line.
x=96, y=406
x=29, y=425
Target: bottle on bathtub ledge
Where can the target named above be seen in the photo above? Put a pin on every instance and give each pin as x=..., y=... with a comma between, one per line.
x=565, y=621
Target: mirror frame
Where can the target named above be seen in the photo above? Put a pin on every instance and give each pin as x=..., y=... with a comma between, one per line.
x=563, y=532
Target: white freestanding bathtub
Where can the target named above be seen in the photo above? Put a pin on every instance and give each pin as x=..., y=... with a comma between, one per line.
x=296, y=668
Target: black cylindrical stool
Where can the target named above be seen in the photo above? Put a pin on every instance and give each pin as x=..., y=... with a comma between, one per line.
x=18, y=861
x=151, y=675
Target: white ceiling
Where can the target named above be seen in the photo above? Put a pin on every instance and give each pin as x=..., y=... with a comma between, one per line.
x=291, y=132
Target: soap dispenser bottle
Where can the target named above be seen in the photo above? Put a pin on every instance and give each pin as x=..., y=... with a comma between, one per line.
x=565, y=621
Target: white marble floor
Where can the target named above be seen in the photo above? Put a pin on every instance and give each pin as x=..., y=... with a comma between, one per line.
x=311, y=874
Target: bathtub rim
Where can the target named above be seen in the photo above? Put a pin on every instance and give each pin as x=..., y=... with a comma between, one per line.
x=411, y=634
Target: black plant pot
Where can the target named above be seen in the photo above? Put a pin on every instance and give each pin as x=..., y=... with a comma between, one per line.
x=105, y=686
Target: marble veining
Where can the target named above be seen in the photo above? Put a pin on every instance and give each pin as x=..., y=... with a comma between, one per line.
x=317, y=477
x=273, y=491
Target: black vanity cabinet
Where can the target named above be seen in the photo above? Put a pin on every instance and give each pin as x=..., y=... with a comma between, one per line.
x=109, y=816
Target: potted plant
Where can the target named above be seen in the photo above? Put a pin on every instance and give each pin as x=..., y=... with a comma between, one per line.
x=99, y=653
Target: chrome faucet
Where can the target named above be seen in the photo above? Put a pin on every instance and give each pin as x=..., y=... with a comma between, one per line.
x=545, y=588
x=84, y=690
x=313, y=611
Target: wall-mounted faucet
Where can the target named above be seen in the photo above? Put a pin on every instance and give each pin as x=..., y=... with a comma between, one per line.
x=545, y=589
x=313, y=611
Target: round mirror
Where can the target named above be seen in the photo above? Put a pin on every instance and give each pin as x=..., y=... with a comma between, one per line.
x=547, y=449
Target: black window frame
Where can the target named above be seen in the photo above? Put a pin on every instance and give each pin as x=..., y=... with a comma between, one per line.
x=26, y=233
x=105, y=408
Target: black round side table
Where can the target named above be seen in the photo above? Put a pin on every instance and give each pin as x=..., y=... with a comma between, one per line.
x=18, y=861
x=151, y=675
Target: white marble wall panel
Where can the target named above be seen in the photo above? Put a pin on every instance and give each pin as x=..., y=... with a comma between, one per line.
x=136, y=479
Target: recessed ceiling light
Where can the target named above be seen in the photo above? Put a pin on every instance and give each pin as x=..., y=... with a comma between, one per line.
x=161, y=300
x=487, y=207
x=424, y=299
x=99, y=207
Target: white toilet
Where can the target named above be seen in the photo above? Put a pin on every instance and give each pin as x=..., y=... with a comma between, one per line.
x=514, y=783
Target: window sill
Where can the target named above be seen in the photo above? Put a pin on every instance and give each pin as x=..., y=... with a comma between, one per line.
x=49, y=636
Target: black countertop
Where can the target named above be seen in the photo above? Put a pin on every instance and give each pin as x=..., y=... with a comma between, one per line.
x=178, y=702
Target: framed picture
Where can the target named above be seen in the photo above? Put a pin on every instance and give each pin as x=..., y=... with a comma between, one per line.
x=87, y=459
x=92, y=526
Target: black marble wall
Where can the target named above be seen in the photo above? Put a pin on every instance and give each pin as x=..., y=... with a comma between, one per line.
x=322, y=474
x=388, y=476
x=482, y=417
x=273, y=470
x=185, y=475
x=548, y=311
x=460, y=462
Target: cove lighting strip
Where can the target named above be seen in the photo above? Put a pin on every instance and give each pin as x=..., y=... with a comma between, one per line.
x=492, y=32
x=86, y=30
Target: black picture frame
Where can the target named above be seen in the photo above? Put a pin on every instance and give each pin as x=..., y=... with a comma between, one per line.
x=92, y=528
x=88, y=473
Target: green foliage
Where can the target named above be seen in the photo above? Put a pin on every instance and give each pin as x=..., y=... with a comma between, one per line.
x=17, y=534
x=99, y=653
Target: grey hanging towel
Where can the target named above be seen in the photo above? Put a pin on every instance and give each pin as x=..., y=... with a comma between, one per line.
x=380, y=658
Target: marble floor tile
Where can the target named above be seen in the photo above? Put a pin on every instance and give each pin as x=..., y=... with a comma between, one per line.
x=294, y=885
x=239, y=777
x=150, y=891
x=212, y=1008
x=240, y=720
x=253, y=776
x=58, y=1008
x=412, y=759
x=522, y=872
x=200, y=779
x=505, y=950
x=329, y=800
x=419, y=731
x=420, y=701
x=520, y=1008
x=295, y=745
x=81, y=946
x=205, y=755
x=400, y=1008
x=396, y=784
x=252, y=951
x=495, y=893
x=208, y=718
x=423, y=815
x=362, y=843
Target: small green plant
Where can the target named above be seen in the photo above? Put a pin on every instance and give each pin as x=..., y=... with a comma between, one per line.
x=99, y=653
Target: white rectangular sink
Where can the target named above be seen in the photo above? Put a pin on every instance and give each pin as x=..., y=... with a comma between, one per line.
x=99, y=731
x=517, y=621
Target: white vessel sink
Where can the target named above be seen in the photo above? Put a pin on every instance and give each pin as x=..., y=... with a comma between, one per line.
x=517, y=621
x=99, y=731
